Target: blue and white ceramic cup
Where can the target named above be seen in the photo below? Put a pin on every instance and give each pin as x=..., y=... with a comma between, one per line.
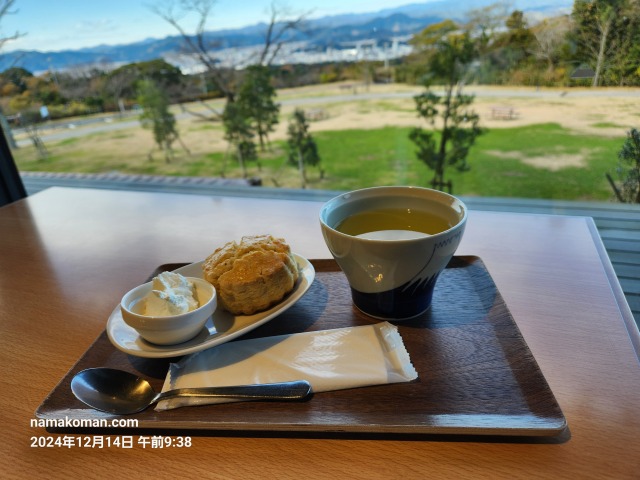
x=392, y=275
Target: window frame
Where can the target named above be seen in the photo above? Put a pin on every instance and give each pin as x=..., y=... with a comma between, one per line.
x=11, y=185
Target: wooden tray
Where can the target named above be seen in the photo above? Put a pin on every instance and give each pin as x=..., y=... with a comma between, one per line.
x=476, y=373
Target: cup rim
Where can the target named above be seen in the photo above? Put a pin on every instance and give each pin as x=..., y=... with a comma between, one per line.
x=398, y=188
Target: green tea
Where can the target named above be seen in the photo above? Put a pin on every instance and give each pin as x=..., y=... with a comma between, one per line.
x=393, y=219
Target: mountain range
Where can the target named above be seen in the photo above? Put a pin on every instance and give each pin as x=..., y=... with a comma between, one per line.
x=336, y=31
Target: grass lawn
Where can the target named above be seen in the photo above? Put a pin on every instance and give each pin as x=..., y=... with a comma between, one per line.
x=538, y=161
x=541, y=161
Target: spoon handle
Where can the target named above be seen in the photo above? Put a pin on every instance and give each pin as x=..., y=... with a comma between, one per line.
x=296, y=390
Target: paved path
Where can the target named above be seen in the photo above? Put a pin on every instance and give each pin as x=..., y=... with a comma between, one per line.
x=86, y=126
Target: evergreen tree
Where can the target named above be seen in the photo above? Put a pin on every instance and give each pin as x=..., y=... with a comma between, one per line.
x=518, y=41
x=157, y=117
x=239, y=134
x=629, y=169
x=256, y=99
x=302, y=147
x=449, y=56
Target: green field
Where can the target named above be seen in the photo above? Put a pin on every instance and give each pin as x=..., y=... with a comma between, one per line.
x=538, y=161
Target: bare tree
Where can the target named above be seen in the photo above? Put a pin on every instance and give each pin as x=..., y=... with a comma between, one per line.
x=604, y=22
x=75, y=83
x=174, y=12
x=281, y=23
x=197, y=43
x=6, y=7
x=484, y=23
x=38, y=144
x=116, y=83
x=550, y=35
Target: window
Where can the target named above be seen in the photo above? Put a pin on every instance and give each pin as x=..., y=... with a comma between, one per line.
x=74, y=98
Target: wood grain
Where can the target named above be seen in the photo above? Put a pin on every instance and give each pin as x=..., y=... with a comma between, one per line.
x=67, y=256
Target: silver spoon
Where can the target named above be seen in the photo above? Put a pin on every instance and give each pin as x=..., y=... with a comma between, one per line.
x=121, y=393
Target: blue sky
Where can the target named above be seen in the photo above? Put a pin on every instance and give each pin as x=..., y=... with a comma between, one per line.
x=52, y=25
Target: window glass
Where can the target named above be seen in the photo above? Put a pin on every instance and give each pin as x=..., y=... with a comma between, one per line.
x=324, y=95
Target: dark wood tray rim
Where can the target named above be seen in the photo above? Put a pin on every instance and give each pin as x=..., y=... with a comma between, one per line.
x=555, y=430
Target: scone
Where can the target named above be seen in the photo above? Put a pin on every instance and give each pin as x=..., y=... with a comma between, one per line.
x=252, y=275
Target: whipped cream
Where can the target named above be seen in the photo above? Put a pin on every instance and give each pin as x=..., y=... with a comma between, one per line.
x=171, y=294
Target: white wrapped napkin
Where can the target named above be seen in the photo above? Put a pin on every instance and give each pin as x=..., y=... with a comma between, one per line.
x=329, y=359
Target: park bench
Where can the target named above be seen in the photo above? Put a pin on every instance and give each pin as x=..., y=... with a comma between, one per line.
x=315, y=114
x=504, y=113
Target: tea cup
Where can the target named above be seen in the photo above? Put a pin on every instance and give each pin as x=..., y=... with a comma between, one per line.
x=392, y=243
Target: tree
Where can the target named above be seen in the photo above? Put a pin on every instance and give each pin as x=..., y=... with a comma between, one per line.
x=157, y=117
x=121, y=83
x=623, y=66
x=504, y=41
x=282, y=23
x=36, y=140
x=6, y=9
x=83, y=87
x=551, y=36
x=518, y=40
x=256, y=101
x=628, y=169
x=485, y=26
x=16, y=76
x=302, y=147
x=602, y=30
x=200, y=45
x=239, y=134
x=449, y=55
x=225, y=77
x=597, y=24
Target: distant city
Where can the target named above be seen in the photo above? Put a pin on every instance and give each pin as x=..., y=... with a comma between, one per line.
x=299, y=53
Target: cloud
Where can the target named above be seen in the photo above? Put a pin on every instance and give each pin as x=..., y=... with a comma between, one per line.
x=102, y=26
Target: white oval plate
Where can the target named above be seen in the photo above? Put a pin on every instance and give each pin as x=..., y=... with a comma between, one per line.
x=220, y=328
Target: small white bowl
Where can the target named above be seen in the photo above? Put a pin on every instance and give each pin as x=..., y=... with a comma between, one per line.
x=171, y=329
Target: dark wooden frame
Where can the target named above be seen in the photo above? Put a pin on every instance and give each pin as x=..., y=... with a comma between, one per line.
x=11, y=186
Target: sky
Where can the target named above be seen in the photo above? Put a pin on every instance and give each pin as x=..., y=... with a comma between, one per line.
x=53, y=25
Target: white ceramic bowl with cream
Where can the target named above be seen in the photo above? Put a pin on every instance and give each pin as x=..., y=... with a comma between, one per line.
x=171, y=329
x=392, y=274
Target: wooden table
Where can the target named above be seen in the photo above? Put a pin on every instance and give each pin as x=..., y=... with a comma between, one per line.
x=68, y=255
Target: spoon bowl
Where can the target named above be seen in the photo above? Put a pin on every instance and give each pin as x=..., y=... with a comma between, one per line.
x=122, y=393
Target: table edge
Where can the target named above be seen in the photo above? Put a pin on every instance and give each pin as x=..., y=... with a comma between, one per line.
x=614, y=284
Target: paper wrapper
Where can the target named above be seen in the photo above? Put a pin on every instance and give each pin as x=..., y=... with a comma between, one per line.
x=329, y=359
